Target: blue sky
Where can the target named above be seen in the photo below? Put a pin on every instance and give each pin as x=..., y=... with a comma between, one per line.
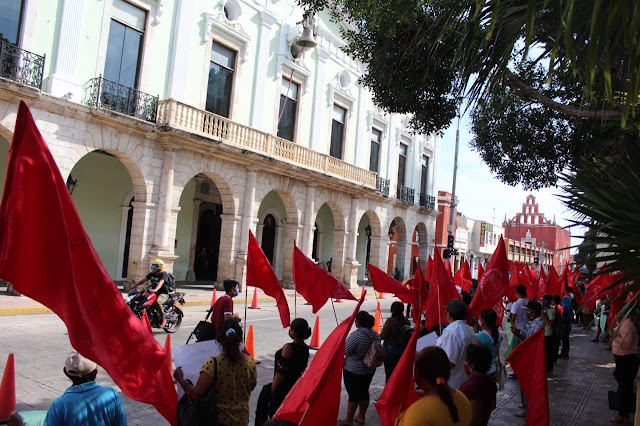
x=479, y=192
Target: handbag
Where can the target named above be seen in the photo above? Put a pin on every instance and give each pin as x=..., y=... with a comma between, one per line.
x=375, y=355
x=204, y=411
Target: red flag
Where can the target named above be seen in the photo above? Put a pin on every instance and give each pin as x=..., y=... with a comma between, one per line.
x=429, y=269
x=463, y=277
x=69, y=277
x=419, y=287
x=553, y=282
x=480, y=272
x=441, y=292
x=573, y=282
x=260, y=274
x=527, y=279
x=595, y=288
x=529, y=363
x=542, y=282
x=494, y=283
x=311, y=280
x=384, y=283
x=316, y=395
x=399, y=392
x=339, y=290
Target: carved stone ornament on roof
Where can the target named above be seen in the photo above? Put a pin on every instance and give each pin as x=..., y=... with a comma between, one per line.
x=158, y=15
x=218, y=23
x=340, y=91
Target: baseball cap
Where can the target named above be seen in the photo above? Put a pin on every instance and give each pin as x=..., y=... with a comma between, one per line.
x=78, y=366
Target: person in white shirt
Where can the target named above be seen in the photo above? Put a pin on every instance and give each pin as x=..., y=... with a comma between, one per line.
x=519, y=316
x=455, y=340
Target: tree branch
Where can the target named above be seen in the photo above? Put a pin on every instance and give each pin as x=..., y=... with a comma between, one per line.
x=513, y=81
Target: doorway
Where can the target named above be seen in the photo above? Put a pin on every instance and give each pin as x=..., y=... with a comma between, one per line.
x=269, y=237
x=208, y=242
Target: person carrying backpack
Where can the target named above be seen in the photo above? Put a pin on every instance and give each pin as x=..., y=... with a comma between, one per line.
x=394, y=334
x=160, y=282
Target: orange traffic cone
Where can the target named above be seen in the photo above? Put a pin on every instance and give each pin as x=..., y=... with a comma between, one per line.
x=249, y=343
x=378, y=319
x=167, y=353
x=315, y=338
x=213, y=298
x=381, y=296
x=8, y=389
x=254, y=302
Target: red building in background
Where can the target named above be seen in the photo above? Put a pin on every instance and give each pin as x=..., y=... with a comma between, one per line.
x=531, y=226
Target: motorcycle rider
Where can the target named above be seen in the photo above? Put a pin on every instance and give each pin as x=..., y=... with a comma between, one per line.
x=158, y=277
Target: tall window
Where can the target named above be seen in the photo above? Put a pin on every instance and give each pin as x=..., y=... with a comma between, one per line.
x=221, y=68
x=402, y=164
x=423, y=176
x=337, y=131
x=288, y=108
x=374, y=158
x=124, y=48
x=10, y=18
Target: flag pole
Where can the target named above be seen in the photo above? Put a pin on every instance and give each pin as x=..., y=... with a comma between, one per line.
x=295, y=287
x=246, y=297
x=334, y=311
x=439, y=309
x=304, y=415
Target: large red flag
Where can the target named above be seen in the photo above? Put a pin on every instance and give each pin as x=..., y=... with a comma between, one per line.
x=339, y=290
x=47, y=255
x=553, y=282
x=311, y=281
x=384, y=283
x=463, y=277
x=419, y=286
x=480, y=272
x=316, y=395
x=494, y=283
x=573, y=282
x=595, y=290
x=399, y=392
x=441, y=291
x=526, y=278
x=260, y=274
x=529, y=363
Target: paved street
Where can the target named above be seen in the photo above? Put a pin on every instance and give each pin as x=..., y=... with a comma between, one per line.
x=577, y=392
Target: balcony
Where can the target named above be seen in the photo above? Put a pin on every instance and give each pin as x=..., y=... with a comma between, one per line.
x=185, y=117
x=107, y=94
x=406, y=194
x=382, y=186
x=21, y=66
x=428, y=201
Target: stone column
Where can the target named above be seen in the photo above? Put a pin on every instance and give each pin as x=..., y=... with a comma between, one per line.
x=292, y=231
x=308, y=225
x=376, y=256
x=248, y=205
x=63, y=76
x=138, y=245
x=404, y=258
x=226, y=261
x=339, y=253
x=164, y=215
x=352, y=265
x=262, y=62
x=191, y=274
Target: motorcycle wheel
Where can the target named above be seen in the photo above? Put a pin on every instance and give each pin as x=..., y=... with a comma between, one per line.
x=174, y=320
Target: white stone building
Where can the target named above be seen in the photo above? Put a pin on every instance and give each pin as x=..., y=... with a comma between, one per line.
x=241, y=131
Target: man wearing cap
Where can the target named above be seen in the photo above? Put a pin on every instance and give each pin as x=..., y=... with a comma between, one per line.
x=85, y=402
x=455, y=340
x=533, y=310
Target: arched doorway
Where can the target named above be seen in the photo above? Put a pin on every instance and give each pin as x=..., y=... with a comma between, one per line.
x=208, y=242
x=398, y=249
x=363, y=246
x=269, y=237
x=125, y=234
x=323, y=238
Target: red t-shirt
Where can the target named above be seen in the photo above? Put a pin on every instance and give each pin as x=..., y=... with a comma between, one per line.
x=223, y=305
x=484, y=389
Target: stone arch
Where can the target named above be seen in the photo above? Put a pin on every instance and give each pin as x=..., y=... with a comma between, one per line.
x=421, y=240
x=6, y=133
x=399, y=247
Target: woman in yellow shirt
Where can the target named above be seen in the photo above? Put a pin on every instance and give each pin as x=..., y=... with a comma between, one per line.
x=441, y=404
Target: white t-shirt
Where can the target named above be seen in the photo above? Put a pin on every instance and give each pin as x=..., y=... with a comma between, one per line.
x=455, y=340
x=521, y=315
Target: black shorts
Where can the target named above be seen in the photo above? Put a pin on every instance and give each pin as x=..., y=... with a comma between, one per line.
x=357, y=385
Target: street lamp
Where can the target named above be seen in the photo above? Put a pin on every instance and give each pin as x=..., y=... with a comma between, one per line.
x=367, y=231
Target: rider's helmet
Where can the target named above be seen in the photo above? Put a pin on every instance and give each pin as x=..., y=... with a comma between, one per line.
x=157, y=265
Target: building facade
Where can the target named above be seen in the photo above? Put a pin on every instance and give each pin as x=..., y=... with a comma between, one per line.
x=531, y=226
x=180, y=125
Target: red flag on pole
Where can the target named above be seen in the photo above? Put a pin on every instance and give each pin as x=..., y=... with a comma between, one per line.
x=494, y=283
x=101, y=327
x=260, y=274
x=311, y=280
x=480, y=272
x=316, y=395
x=339, y=290
x=595, y=290
x=554, y=282
x=384, y=283
x=463, y=277
x=574, y=286
x=399, y=392
x=441, y=291
x=529, y=363
x=419, y=287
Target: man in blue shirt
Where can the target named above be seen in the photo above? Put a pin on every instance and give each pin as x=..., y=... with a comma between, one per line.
x=85, y=402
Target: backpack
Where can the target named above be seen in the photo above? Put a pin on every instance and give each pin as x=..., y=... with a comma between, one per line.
x=375, y=355
x=405, y=335
x=171, y=282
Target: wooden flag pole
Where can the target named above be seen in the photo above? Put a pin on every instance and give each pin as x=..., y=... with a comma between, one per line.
x=246, y=298
x=439, y=308
x=334, y=311
x=304, y=415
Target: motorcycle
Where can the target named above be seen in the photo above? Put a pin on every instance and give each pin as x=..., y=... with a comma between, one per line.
x=171, y=317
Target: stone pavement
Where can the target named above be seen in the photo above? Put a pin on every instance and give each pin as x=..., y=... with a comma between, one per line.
x=577, y=390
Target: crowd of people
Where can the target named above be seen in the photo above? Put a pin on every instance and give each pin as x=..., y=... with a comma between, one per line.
x=458, y=378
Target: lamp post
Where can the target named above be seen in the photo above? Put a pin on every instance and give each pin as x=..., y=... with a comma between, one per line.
x=367, y=231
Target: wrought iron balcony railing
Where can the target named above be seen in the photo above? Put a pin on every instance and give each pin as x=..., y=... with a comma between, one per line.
x=406, y=194
x=107, y=94
x=428, y=201
x=382, y=186
x=20, y=65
